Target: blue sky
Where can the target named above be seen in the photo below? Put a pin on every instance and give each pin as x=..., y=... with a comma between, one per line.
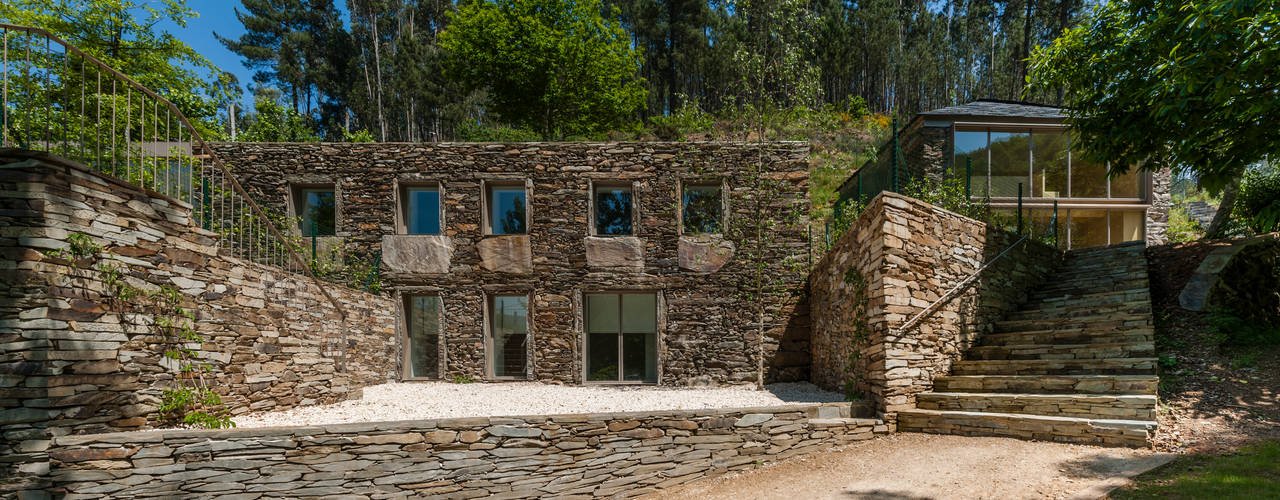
x=219, y=16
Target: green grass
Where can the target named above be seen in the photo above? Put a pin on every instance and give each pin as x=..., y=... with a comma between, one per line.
x=1251, y=472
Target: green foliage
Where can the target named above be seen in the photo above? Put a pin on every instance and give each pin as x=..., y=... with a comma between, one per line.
x=1250, y=472
x=125, y=35
x=1233, y=329
x=476, y=132
x=1245, y=360
x=1182, y=228
x=272, y=122
x=857, y=285
x=1180, y=84
x=556, y=66
x=687, y=120
x=82, y=246
x=357, y=136
x=462, y=379
x=1257, y=205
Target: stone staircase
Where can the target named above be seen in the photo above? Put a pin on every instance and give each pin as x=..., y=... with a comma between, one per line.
x=1076, y=363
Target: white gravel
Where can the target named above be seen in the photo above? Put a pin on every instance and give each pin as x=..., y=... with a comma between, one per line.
x=429, y=400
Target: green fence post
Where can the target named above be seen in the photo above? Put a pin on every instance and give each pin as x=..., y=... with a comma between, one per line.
x=894, y=171
x=313, y=242
x=859, y=185
x=1019, y=208
x=206, y=211
x=1055, y=223
x=968, y=177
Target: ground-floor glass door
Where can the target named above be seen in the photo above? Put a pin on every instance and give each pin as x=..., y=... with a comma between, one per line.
x=622, y=337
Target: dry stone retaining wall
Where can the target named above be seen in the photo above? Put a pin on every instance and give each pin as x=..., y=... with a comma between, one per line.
x=569, y=456
x=910, y=253
x=709, y=333
x=73, y=360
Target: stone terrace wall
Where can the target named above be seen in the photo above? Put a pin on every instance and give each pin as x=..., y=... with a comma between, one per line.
x=910, y=253
x=571, y=456
x=709, y=334
x=73, y=361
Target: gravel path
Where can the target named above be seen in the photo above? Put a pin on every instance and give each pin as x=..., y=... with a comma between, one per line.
x=428, y=400
x=911, y=466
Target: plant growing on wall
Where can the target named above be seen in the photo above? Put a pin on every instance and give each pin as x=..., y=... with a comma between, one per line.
x=191, y=401
x=857, y=286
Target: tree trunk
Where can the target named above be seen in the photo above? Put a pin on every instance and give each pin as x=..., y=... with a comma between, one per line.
x=1218, y=228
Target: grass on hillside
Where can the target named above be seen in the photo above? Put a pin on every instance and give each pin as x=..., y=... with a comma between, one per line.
x=1252, y=472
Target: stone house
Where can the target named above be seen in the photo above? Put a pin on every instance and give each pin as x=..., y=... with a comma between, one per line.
x=996, y=147
x=574, y=263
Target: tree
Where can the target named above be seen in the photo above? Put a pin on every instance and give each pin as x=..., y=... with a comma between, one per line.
x=272, y=122
x=1190, y=85
x=557, y=66
x=110, y=31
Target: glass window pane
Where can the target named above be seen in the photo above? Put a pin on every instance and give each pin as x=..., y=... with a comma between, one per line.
x=639, y=357
x=507, y=209
x=1127, y=225
x=1040, y=223
x=613, y=210
x=602, y=356
x=1125, y=185
x=317, y=212
x=1010, y=153
x=423, y=215
x=701, y=209
x=602, y=313
x=424, y=336
x=972, y=145
x=1049, y=154
x=510, y=333
x=1088, y=228
x=639, y=313
x=1088, y=179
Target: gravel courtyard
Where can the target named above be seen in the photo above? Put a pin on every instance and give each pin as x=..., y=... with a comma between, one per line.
x=428, y=400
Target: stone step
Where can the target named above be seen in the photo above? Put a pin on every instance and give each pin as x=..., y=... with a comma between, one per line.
x=1092, y=297
x=1086, y=286
x=1116, y=320
x=1107, y=432
x=1110, y=366
x=1107, y=406
x=1074, y=310
x=1064, y=351
x=1049, y=384
x=1070, y=334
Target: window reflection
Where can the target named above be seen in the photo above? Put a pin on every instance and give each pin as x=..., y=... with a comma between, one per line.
x=1010, y=157
x=613, y=210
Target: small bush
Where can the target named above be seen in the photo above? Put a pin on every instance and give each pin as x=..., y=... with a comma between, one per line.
x=476, y=132
x=1257, y=204
x=1232, y=329
x=1182, y=228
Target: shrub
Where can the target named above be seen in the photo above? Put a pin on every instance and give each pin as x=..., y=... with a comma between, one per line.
x=1258, y=200
x=1182, y=228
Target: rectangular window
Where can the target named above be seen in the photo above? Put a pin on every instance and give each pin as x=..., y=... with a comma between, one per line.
x=509, y=335
x=507, y=206
x=1088, y=228
x=420, y=209
x=1125, y=185
x=613, y=210
x=315, y=207
x=1049, y=158
x=1010, y=157
x=702, y=209
x=622, y=337
x=422, y=320
x=971, y=153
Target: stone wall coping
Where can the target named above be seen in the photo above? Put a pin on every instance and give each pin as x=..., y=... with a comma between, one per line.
x=162, y=435
x=585, y=144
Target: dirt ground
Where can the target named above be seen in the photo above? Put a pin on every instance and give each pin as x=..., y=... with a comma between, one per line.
x=1212, y=399
x=912, y=466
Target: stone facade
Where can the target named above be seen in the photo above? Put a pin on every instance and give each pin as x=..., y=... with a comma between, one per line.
x=909, y=254
x=568, y=456
x=73, y=360
x=709, y=331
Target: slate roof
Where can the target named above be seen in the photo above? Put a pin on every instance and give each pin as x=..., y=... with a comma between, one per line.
x=988, y=108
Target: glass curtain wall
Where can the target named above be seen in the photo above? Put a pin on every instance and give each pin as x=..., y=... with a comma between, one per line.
x=1039, y=159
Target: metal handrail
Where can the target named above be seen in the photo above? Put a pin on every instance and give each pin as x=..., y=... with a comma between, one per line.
x=959, y=286
x=242, y=241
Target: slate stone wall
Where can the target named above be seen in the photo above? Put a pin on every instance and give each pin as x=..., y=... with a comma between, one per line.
x=709, y=328
x=74, y=360
x=571, y=456
x=910, y=253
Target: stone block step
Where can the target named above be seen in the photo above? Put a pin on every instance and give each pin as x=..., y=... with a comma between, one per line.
x=1049, y=384
x=1105, y=432
x=1065, y=351
x=1101, y=321
x=1110, y=366
x=1070, y=334
x=1068, y=310
x=1084, y=286
x=1106, y=406
x=1094, y=297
